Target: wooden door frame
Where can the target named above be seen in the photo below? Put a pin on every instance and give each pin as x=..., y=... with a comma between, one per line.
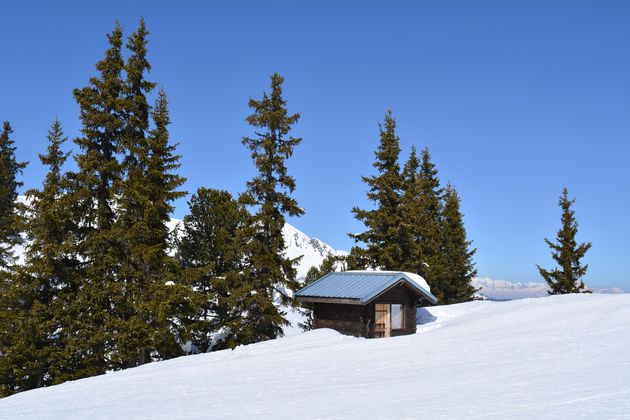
x=387, y=324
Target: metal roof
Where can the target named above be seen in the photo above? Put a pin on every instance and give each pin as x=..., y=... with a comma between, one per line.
x=359, y=286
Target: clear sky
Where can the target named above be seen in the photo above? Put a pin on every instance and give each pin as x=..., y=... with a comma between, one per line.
x=515, y=99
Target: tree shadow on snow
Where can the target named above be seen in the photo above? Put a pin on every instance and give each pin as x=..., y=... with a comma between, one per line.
x=423, y=316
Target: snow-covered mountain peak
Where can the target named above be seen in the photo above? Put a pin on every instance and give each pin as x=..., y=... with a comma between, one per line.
x=312, y=250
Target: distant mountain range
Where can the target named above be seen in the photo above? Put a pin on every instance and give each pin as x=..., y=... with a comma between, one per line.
x=314, y=251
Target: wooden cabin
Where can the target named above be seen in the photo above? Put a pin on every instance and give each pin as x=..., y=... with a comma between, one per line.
x=367, y=303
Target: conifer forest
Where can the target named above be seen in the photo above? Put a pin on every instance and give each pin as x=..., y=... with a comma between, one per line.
x=106, y=284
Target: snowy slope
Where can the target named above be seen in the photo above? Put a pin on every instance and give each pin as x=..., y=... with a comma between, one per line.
x=554, y=357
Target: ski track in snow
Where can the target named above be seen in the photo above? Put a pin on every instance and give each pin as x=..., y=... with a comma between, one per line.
x=553, y=357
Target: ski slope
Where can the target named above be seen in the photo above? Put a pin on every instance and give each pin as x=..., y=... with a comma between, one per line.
x=553, y=357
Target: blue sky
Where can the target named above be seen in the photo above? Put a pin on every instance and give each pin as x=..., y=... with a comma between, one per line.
x=515, y=99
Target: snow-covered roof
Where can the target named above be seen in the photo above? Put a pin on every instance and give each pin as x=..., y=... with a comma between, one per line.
x=363, y=286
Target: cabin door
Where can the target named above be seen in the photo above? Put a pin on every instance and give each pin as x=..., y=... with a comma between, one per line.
x=382, y=317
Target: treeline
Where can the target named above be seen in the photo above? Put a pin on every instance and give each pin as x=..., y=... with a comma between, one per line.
x=106, y=284
x=100, y=288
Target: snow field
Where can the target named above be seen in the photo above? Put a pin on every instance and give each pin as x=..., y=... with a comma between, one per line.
x=555, y=357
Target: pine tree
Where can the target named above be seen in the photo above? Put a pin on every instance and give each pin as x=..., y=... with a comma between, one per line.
x=210, y=254
x=43, y=284
x=458, y=267
x=268, y=273
x=10, y=210
x=385, y=231
x=567, y=253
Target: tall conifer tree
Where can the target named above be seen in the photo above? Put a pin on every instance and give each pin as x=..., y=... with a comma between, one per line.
x=11, y=227
x=458, y=269
x=268, y=274
x=567, y=253
x=428, y=226
x=95, y=189
x=168, y=298
x=10, y=209
x=42, y=285
x=413, y=214
x=385, y=228
x=133, y=330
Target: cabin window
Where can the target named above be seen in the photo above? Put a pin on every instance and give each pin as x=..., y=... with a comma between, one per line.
x=397, y=316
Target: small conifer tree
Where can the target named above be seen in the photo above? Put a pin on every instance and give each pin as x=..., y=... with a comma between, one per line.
x=210, y=254
x=567, y=253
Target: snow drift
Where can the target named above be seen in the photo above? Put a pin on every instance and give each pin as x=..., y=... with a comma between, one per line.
x=553, y=357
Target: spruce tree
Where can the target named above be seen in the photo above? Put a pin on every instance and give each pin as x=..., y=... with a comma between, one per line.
x=36, y=354
x=357, y=259
x=385, y=228
x=268, y=274
x=95, y=188
x=428, y=261
x=567, y=253
x=10, y=210
x=458, y=267
x=168, y=299
x=210, y=254
x=135, y=273
x=11, y=227
x=412, y=211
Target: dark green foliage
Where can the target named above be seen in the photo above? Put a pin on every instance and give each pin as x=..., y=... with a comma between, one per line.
x=141, y=318
x=98, y=290
x=357, y=259
x=330, y=264
x=268, y=274
x=458, y=268
x=210, y=254
x=95, y=186
x=385, y=233
x=12, y=317
x=427, y=226
x=414, y=215
x=10, y=214
x=35, y=302
x=124, y=312
x=567, y=253
x=414, y=225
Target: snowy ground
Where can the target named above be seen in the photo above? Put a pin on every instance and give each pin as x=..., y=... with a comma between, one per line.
x=554, y=357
